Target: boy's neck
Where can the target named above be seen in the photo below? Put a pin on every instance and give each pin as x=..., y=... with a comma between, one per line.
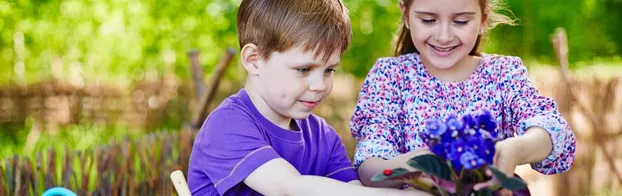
x=461, y=71
x=267, y=112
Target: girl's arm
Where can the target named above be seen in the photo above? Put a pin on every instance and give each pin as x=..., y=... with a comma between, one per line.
x=375, y=165
x=376, y=123
x=537, y=122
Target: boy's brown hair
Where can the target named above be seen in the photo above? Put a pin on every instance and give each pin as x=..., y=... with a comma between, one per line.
x=277, y=25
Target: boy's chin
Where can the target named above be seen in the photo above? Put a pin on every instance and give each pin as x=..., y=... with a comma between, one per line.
x=299, y=115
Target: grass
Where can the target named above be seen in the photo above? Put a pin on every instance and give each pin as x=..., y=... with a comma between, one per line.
x=75, y=137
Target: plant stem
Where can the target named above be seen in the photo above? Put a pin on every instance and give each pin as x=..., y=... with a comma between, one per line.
x=440, y=189
x=417, y=182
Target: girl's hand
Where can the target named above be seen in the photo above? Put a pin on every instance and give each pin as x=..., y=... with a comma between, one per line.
x=507, y=158
x=507, y=155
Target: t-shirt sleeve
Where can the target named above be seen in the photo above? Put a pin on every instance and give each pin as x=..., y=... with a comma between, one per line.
x=231, y=148
x=339, y=166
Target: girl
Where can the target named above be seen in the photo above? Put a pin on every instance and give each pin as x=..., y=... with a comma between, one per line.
x=438, y=72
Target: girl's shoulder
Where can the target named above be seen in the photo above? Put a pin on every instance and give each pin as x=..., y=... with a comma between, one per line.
x=401, y=63
x=503, y=64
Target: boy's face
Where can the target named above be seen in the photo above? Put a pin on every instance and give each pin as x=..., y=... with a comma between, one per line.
x=292, y=83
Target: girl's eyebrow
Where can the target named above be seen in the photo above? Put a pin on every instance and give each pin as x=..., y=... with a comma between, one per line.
x=434, y=14
x=425, y=13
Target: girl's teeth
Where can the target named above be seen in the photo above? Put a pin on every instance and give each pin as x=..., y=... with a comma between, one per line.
x=443, y=49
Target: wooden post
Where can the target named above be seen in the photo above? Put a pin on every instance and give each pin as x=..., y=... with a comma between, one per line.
x=197, y=74
x=560, y=43
x=203, y=109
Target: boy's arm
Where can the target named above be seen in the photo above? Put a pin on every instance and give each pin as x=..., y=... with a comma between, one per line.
x=278, y=177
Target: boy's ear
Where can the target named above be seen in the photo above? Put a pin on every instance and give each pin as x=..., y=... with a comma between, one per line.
x=250, y=58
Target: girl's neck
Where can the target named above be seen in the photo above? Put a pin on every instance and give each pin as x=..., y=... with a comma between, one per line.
x=461, y=71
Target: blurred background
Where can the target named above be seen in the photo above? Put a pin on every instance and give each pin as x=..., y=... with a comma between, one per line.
x=108, y=84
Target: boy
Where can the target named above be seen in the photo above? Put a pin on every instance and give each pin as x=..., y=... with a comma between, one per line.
x=264, y=139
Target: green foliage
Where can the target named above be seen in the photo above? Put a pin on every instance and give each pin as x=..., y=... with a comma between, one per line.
x=81, y=136
x=510, y=183
x=432, y=165
x=120, y=39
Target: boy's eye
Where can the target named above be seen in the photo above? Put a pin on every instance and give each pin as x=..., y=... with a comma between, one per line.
x=461, y=22
x=428, y=21
x=303, y=70
x=330, y=71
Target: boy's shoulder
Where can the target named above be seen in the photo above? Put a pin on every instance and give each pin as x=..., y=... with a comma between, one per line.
x=318, y=123
x=231, y=109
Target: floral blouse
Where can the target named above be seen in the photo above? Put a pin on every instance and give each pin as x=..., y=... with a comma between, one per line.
x=399, y=95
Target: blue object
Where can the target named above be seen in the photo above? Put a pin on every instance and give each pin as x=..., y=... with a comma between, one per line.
x=58, y=191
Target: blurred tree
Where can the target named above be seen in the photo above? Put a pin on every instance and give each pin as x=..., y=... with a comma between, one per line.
x=124, y=39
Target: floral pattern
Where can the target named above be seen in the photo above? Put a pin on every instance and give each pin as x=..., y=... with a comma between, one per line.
x=399, y=95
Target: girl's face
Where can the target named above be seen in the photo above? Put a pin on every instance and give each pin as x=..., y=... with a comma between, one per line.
x=444, y=31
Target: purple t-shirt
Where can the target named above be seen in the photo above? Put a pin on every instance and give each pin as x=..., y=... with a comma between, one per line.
x=236, y=139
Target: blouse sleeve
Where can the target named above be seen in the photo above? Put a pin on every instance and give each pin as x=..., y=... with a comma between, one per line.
x=375, y=123
x=526, y=108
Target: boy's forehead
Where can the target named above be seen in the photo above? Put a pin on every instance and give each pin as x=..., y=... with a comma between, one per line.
x=299, y=55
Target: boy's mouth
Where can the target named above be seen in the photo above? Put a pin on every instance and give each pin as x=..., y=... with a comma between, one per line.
x=310, y=104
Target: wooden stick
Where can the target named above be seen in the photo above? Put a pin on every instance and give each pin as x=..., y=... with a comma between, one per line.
x=18, y=174
x=50, y=176
x=29, y=176
x=560, y=43
x=3, y=190
x=38, y=170
x=179, y=181
x=9, y=172
x=203, y=109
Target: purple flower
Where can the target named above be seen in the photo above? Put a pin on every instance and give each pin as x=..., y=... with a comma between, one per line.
x=470, y=160
x=437, y=130
x=485, y=121
x=469, y=122
x=483, y=148
x=440, y=149
x=455, y=126
x=454, y=152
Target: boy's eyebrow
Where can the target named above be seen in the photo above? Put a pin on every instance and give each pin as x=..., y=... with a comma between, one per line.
x=313, y=64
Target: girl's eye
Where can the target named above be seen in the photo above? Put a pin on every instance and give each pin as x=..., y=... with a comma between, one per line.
x=461, y=22
x=428, y=21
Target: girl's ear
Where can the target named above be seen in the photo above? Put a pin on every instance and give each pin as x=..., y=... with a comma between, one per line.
x=485, y=17
x=250, y=58
x=403, y=9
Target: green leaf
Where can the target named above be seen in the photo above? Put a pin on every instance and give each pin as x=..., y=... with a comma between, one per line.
x=485, y=192
x=398, y=174
x=510, y=183
x=431, y=165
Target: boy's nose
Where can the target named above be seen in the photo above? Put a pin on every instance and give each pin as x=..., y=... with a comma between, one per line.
x=317, y=85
